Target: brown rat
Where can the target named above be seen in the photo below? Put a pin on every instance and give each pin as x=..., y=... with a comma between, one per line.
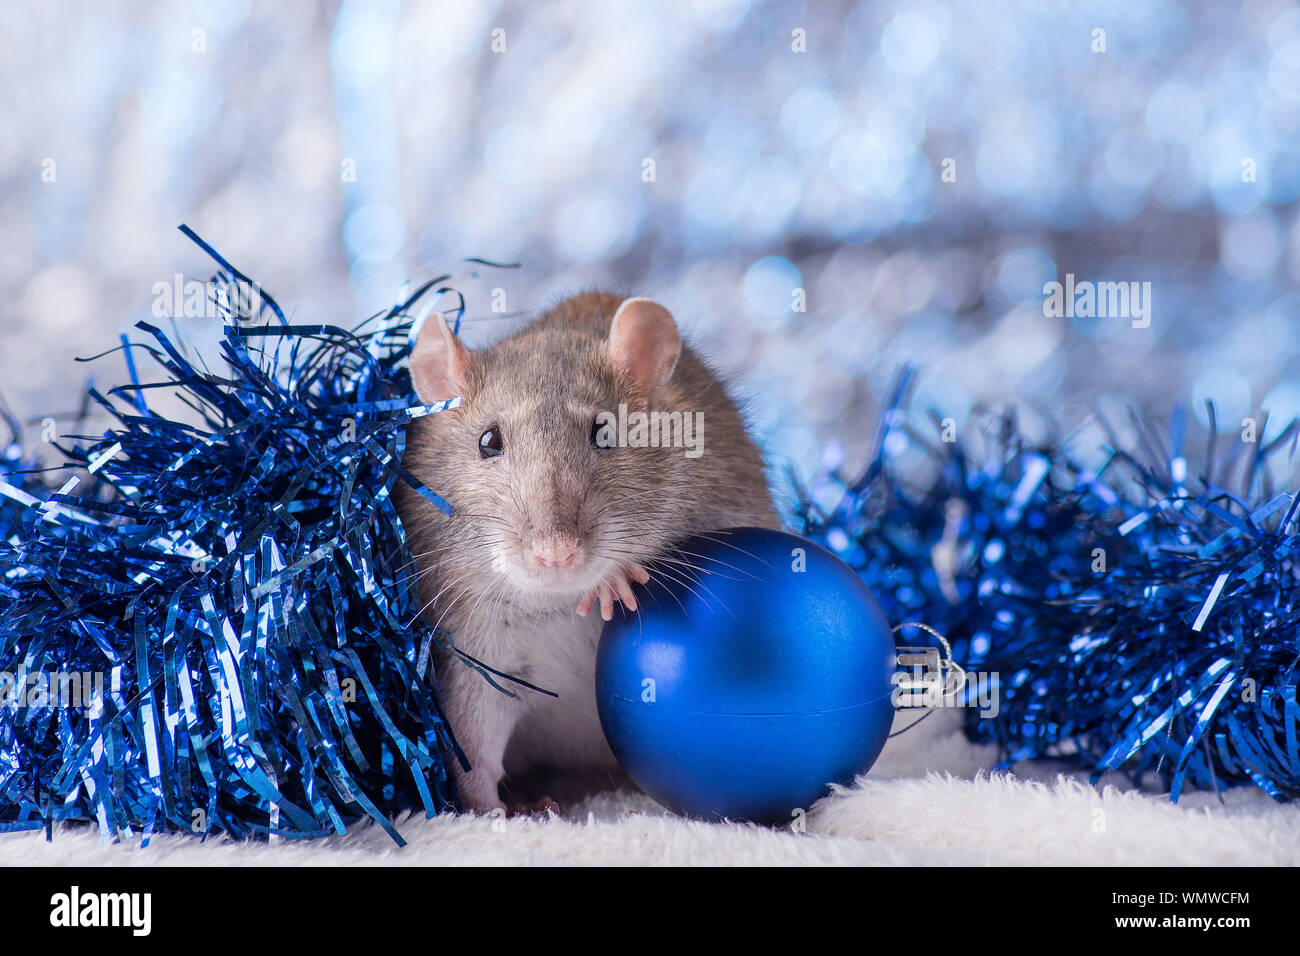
x=549, y=520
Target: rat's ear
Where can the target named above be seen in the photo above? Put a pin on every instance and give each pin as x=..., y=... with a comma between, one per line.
x=438, y=362
x=643, y=341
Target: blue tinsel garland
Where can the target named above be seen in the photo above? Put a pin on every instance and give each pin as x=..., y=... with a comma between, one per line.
x=1138, y=618
x=243, y=587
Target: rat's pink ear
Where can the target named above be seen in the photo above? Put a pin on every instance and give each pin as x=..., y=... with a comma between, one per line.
x=643, y=341
x=438, y=362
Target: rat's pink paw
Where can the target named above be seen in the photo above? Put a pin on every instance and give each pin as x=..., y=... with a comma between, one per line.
x=616, y=587
x=542, y=808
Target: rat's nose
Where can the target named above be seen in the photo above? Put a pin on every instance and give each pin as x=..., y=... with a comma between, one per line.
x=555, y=550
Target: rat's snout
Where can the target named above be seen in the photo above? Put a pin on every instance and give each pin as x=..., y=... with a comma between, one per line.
x=556, y=550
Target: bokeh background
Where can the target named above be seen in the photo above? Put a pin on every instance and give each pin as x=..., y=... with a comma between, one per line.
x=333, y=151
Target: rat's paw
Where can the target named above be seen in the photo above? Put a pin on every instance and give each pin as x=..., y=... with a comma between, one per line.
x=485, y=808
x=542, y=808
x=478, y=793
x=616, y=587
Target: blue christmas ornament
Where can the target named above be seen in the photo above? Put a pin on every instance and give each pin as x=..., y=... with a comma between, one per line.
x=747, y=684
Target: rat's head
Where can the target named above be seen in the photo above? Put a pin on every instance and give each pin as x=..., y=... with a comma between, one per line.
x=542, y=497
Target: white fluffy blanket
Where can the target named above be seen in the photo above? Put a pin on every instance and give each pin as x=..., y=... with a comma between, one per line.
x=928, y=801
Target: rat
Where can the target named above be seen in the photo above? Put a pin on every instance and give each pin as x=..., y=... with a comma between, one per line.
x=557, y=509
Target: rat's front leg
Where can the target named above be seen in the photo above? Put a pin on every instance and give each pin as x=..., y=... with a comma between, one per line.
x=482, y=718
x=616, y=587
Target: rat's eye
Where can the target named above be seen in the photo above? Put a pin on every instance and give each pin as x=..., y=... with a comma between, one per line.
x=603, y=434
x=490, y=444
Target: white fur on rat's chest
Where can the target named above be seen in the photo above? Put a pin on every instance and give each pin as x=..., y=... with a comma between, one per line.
x=559, y=648
x=556, y=652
